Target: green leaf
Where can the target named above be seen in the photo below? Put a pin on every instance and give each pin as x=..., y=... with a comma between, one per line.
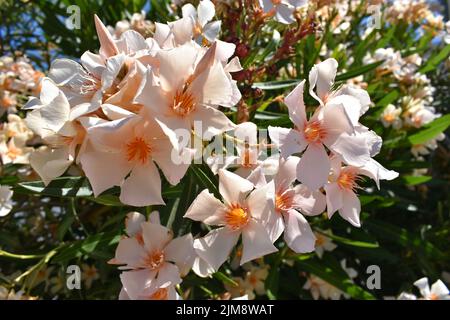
x=430, y=131
x=86, y=246
x=225, y=279
x=403, y=237
x=357, y=71
x=350, y=242
x=60, y=187
x=204, y=180
x=275, y=85
x=435, y=60
x=415, y=180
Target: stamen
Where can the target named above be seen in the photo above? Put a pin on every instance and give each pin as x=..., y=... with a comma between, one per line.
x=183, y=103
x=154, y=260
x=348, y=179
x=314, y=132
x=237, y=217
x=138, y=149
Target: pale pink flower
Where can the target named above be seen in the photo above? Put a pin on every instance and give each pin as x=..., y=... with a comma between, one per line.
x=112, y=76
x=202, y=27
x=438, y=290
x=15, y=150
x=124, y=154
x=155, y=260
x=188, y=87
x=241, y=213
x=329, y=126
x=282, y=9
x=51, y=118
x=343, y=184
x=290, y=200
x=248, y=155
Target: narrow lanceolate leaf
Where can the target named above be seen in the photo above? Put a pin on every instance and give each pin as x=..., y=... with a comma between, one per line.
x=350, y=242
x=60, y=187
x=275, y=85
x=415, y=180
x=87, y=246
x=430, y=131
x=352, y=73
x=435, y=60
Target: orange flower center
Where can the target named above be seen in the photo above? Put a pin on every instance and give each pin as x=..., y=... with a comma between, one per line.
x=320, y=240
x=237, y=217
x=283, y=202
x=160, y=294
x=183, y=103
x=154, y=260
x=275, y=2
x=138, y=149
x=314, y=132
x=13, y=152
x=389, y=118
x=347, y=180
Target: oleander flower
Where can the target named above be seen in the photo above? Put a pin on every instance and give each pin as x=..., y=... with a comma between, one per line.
x=51, y=119
x=342, y=186
x=6, y=203
x=124, y=154
x=391, y=117
x=242, y=213
x=438, y=291
x=282, y=9
x=188, y=87
x=249, y=151
x=328, y=127
x=290, y=202
x=154, y=261
x=203, y=29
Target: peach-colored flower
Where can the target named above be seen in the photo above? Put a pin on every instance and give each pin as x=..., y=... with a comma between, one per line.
x=124, y=154
x=242, y=213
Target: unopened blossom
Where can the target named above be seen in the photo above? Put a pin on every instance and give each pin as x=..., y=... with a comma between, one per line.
x=242, y=212
x=51, y=119
x=154, y=259
x=323, y=243
x=391, y=117
x=283, y=10
x=124, y=154
x=329, y=127
x=204, y=30
x=290, y=202
x=343, y=184
x=187, y=88
x=6, y=202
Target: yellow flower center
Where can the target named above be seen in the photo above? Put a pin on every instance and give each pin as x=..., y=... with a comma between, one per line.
x=237, y=217
x=138, y=149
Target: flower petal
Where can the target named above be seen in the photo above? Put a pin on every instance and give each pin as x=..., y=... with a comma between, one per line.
x=314, y=167
x=256, y=242
x=298, y=234
x=233, y=188
x=207, y=209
